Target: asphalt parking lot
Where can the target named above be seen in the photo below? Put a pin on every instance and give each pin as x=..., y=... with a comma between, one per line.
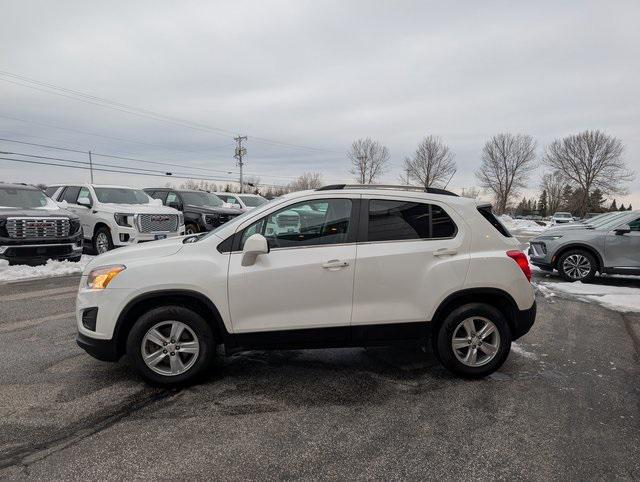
x=565, y=405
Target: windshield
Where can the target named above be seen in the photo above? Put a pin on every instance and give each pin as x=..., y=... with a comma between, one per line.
x=11, y=197
x=201, y=199
x=253, y=201
x=610, y=222
x=121, y=195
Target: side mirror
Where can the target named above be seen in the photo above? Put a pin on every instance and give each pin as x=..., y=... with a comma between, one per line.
x=624, y=229
x=84, y=201
x=254, y=246
x=175, y=206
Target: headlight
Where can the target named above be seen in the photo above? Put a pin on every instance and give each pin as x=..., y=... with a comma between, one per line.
x=550, y=237
x=180, y=219
x=123, y=219
x=74, y=226
x=100, y=278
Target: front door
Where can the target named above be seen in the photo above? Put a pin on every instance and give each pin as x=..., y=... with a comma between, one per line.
x=622, y=251
x=306, y=280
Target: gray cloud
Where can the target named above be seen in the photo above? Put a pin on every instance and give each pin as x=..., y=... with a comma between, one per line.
x=318, y=73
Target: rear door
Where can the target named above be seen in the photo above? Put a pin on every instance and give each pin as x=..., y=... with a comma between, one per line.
x=622, y=251
x=411, y=254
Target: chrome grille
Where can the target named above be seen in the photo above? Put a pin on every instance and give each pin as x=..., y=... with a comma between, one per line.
x=21, y=228
x=153, y=223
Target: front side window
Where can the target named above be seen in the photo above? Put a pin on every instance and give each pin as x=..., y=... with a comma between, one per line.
x=406, y=220
x=121, y=195
x=253, y=201
x=51, y=190
x=70, y=194
x=84, y=193
x=202, y=199
x=11, y=197
x=308, y=223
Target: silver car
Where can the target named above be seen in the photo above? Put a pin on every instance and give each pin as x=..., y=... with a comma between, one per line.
x=609, y=245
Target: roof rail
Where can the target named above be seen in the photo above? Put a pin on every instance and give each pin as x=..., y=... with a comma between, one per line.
x=399, y=187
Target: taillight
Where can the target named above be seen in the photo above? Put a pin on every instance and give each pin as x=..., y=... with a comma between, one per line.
x=520, y=258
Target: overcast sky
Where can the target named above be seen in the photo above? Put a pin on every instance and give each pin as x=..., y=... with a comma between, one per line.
x=316, y=74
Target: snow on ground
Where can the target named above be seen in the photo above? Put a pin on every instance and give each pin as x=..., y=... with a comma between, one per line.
x=618, y=298
x=49, y=270
x=521, y=225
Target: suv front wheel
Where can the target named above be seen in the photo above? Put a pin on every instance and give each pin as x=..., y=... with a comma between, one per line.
x=577, y=265
x=473, y=341
x=171, y=345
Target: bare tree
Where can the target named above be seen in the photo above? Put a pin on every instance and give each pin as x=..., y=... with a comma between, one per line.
x=553, y=183
x=368, y=160
x=432, y=164
x=590, y=160
x=507, y=162
x=308, y=180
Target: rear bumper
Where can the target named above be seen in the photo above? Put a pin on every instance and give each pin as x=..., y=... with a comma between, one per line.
x=524, y=321
x=105, y=350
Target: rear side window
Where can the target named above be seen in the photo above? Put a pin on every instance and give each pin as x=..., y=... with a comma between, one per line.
x=403, y=220
x=70, y=194
x=495, y=222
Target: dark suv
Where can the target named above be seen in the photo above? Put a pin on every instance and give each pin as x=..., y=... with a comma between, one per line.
x=202, y=211
x=33, y=228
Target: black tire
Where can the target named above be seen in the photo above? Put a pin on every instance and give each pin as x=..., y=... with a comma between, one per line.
x=442, y=340
x=195, y=322
x=584, y=258
x=107, y=233
x=191, y=228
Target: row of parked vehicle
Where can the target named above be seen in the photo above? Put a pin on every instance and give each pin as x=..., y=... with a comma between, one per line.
x=36, y=226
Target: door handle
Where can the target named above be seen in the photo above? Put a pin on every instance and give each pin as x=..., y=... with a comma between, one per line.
x=445, y=252
x=335, y=264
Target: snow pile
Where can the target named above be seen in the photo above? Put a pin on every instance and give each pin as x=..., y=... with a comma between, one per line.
x=521, y=225
x=49, y=270
x=618, y=298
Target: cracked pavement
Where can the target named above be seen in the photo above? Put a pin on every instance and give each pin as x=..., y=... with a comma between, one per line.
x=564, y=405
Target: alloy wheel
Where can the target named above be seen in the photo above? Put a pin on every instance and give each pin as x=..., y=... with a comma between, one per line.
x=576, y=266
x=475, y=341
x=102, y=243
x=170, y=348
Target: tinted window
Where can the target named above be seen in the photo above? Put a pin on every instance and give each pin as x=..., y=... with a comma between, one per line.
x=201, y=199
x=401, y=220
x=50, y=191
x=70, y=194
x=495, y=222
x=635, y=225
x=22, y=198
x=307, y=223
x=121, y=195
x=442, y=226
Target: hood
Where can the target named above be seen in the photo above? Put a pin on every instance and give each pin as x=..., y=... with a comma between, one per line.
x=40, y=213
x=212, y=210
x=137, y=208
x=152, y=249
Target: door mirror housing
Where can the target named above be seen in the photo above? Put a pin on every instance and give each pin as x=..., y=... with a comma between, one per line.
x=624, y=229
x=254, y=246
x=84, y=201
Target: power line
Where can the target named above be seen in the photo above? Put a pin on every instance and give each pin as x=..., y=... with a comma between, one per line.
x=106, y=103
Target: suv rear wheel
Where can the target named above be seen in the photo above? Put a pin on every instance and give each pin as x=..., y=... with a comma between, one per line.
x=473, y=341
x=577, y=265
x=171, y=345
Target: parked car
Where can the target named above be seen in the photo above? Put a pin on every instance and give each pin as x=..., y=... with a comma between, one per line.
x=34, y=229
x=561, y=218
x=370, y=266
x=243, y=202
x=611, y=245
x=114, y=216
x=202, y=211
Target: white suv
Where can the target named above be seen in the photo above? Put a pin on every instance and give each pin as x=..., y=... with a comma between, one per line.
x=362, y=265
x=114, y=216
x=245, y=202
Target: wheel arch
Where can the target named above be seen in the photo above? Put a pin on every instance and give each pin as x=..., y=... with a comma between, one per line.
x=495, y=297
x=193, y=300
x=578, y=246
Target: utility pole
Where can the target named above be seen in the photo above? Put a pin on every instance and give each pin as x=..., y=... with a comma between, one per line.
x=91, y=166
x=240, y=152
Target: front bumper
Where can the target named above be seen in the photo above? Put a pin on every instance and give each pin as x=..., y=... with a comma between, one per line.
x=540, y=254
x=35, y=252
x=105, y=350
x=125, y=236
